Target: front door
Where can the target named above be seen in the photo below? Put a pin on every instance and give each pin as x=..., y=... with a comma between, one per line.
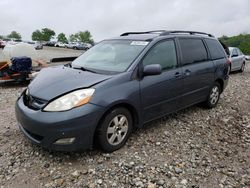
x=161, y=94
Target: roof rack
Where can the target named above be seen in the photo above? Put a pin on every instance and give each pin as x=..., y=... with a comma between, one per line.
x=146, y=32
x=165, y=32
x=189, y=32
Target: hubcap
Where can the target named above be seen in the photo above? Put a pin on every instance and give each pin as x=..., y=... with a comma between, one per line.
x=214, y=96
x=117, y=130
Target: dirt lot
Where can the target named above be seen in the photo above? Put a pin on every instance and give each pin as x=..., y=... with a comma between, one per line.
x=192, y=148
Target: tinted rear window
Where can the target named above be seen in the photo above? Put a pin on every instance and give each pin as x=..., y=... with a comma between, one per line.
x=215, y=48
x=193, y=50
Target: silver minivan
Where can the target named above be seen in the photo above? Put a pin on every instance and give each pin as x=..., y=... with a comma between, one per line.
x=237, y=59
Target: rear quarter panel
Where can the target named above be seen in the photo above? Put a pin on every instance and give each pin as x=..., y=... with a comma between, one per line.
x=221, y=69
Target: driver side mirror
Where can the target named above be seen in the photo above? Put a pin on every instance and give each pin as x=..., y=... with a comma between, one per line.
x=153, y=69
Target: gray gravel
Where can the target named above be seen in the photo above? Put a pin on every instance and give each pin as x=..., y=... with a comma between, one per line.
x=192, y=148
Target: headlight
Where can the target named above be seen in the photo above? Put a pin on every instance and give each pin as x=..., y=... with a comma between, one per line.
x=70, y=100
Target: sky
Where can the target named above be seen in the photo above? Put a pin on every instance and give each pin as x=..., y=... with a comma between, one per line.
x=109, y=18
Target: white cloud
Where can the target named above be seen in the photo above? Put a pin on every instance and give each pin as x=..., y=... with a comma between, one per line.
x=108, y=18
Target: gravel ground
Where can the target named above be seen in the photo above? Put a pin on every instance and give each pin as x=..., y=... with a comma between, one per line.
x=192, y=148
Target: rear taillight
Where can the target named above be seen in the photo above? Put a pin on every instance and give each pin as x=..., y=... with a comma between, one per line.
x=229, y=66
x=229, y=62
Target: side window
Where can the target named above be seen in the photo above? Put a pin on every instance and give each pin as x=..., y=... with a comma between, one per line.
x=193, y=50
x=239, y=52
x=215, y=48
x=235, y=53
x=164, y=54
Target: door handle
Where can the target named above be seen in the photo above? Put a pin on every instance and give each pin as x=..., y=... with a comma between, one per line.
x=177, y=75
x=187, y=72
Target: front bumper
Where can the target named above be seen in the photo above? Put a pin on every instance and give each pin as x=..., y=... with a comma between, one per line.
x=45, y=128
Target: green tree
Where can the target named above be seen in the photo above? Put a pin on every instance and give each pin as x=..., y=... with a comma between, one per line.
x=82, y=36
x=14, y=35
x=224, y=37
x=1, y=37
x=47, y=34
x=72, y=38
x=37, y=35
x=85, y=37
x=241, y=41
x=44, y=35
x=62, y=38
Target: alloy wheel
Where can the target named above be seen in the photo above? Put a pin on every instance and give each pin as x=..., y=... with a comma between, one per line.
x=117, y=130
x=214, y=95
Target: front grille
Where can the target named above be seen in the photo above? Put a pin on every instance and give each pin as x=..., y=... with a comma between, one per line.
x=33, y=102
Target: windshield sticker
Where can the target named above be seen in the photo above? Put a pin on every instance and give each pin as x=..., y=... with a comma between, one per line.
x=139, y=43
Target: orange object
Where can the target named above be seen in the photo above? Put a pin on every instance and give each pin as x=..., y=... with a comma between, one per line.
x=3, y=65
x=84, y=101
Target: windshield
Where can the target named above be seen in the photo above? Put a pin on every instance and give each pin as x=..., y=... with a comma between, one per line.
x=110, y=56
x=231, y=49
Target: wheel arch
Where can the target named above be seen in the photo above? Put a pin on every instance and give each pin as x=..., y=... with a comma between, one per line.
x=221, y=83
x=131, y=108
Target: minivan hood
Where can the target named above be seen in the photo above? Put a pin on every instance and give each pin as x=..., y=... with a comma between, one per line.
x=54, y=81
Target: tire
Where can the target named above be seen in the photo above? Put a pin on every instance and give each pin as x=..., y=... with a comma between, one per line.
x=242, y=67
x=213, y=96
x=114, y=130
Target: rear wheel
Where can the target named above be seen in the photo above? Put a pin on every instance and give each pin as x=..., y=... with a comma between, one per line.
x=242, y=67
x=214, y=96
x=115, y=129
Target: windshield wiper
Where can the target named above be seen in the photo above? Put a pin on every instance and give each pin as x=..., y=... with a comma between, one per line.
x=84, y=69
x=68, y=65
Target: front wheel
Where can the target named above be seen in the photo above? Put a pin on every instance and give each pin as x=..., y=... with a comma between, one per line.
x=115, y=129
x=214, y=96
x=242, y=67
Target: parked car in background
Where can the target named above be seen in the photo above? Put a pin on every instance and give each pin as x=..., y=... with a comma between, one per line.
x=237, y=59
x=60, y=44
x=37, y=45
x=17, y=40
x=119, y=85
x=71, y=45
x=247, y=57
x=50, y=43
x=89, y=45
x=2, y=43
x=9, y=41
x=81, y=46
